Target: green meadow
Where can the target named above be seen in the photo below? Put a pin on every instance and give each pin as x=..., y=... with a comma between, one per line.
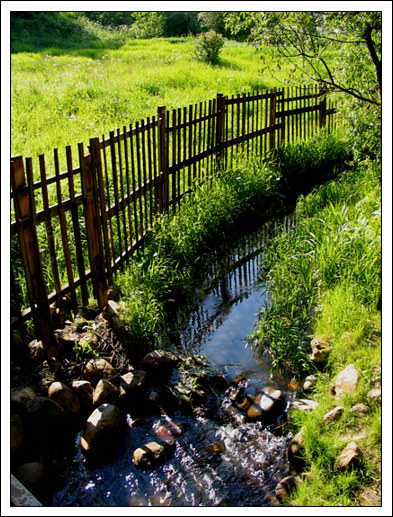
x=62, y=97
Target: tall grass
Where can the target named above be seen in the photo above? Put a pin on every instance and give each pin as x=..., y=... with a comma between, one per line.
x=336, y=242
x=325, y=280
x=63, y=96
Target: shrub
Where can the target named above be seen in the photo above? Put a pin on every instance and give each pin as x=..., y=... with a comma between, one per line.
x=208, y=46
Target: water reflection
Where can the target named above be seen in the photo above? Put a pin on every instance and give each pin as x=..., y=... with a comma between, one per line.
x=229, y=300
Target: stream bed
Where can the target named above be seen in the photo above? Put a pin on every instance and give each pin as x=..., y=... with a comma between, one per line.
x=217, y=461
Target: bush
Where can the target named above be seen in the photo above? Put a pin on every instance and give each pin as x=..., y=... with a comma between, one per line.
x=208, y=46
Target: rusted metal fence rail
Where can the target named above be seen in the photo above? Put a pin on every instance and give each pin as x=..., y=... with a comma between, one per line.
x=73, y=231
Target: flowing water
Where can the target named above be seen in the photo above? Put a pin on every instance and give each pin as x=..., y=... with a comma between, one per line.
x=222, y=461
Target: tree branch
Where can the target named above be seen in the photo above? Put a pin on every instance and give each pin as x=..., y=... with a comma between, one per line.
x=377, y=62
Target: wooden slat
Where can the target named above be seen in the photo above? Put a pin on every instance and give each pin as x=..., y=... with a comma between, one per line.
x=150, y=171
x=64, y=237
x=76, y=229
x=49, y=232
x=121, y=197
x=95, y=148
x=174, y=156
x=115, y=191
x=133, y=175
x=139, y=179
x=88, y=166
x=108, y=204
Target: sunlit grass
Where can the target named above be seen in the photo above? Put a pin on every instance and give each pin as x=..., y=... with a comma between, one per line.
x=61, y=97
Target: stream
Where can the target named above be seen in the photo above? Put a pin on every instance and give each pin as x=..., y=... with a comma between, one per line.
x=217, y=461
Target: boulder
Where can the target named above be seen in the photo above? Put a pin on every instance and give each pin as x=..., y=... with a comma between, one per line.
x=360, y=409
x=133, y=382
x=151, y=454
x=333, y=415
x=369, y=498
x=31, y=474
x=350, y=457
x=295, y=451
x=159, y=363
x=36, y=351
x=65, y=397
x=102, y=429
x=42, y=411
x=19, y=396
x=309, y=383
x=375, y=394
x=16, y=433
x=97, y=369
x=84, y=391
x=286, y=486
x=347, y=381
x=266, y=405
x=113, y=312
x=320, y=351
x=305, y=404
x=104, y=392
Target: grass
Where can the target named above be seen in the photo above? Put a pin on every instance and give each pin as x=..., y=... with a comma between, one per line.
x=63, y=96
x=325, y=281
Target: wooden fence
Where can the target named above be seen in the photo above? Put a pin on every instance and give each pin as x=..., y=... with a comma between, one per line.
x=73, y=231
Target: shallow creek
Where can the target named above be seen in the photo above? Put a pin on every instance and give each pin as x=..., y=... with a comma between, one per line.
x=217, y=461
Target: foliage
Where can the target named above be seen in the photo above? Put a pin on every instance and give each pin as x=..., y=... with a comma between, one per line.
x=181, y=23
x=36, y=30
x=335, y=243
x=212, y=20
x=208, y=46
x=149, y=24
x=305, y=39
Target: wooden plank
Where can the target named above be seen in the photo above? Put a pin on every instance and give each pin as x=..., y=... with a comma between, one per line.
x=49, y=232
x=121, y=197
x=95, y=143
x=115, y=193
x=162, y=157
x=174, y=157
x=144, y=178
x=88, y=166
x=76, y=230
x=189, y=144
x=64, y=237
x=272, y=118
x=150, y=171
x=133, y=175
x=139, y=179
x=109, y=218
x=155, y=158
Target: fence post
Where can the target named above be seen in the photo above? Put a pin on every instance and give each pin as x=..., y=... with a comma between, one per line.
x=162, y=160
x=272, y=120
x=322, y=108
x=220, y=127
x=283, y=118
x=88, y=164
x=28, y=241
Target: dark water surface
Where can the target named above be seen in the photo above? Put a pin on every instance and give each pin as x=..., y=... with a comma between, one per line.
x=251, y=459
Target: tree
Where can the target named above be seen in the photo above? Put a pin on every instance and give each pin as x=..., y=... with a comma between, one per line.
x=341, y=50
x=212, y=20
x=148, y=24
